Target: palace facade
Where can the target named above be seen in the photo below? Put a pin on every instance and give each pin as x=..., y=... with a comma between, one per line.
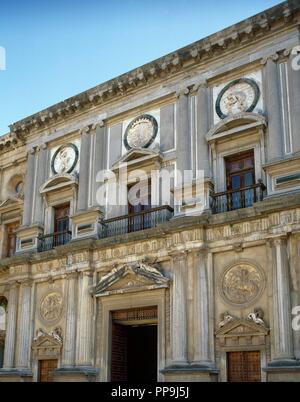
x=203, y=291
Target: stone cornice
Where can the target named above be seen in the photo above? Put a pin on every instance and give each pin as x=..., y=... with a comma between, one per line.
x=212, y=46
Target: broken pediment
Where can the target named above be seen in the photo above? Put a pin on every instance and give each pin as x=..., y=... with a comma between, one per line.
x=131, y=278
x=240, y=327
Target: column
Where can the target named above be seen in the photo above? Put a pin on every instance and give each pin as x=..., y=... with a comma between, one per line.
x=282, y=330
x=29, y=188
x=68, y=353
x=274, y=110
x=42, y=166
x=294, y=100
x=85, y=158
x=201, y=309
x=179, y=309
x=84, y=323
x=10, y=338
x=24, y=319
x=202, y=113
x=183, y=134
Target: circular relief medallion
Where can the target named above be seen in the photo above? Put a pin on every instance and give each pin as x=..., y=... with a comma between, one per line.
x=65, y=159
x=242, y=284
x=141, y=132
x=238, y=96
x=51, y=307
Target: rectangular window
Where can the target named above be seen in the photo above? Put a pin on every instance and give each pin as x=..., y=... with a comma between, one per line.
x=240, y=176
x=11, y=238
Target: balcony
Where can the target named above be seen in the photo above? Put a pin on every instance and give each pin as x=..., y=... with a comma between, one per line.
x=137, y=221
x=49, y=241
x=236, y=199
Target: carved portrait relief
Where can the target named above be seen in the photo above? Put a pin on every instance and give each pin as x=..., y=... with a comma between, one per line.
x=51, y=307
x=64, y=159
x=238, y=96
x=141, y=132
x=241, y=284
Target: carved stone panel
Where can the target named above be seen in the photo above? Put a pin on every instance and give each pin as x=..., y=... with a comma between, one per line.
x=51, y=307
x=241, y=284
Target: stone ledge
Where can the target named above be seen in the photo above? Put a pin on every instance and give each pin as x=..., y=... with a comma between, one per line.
x=283, y=365
x=190, y=369
x=16, y=372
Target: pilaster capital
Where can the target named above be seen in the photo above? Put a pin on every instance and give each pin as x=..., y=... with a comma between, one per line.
x=178, y=255
x=182, y=92
x=272, y=57
x=26, y=282
x=85, y=130
x=100, y=123
x=198, y=86
x=72, y=275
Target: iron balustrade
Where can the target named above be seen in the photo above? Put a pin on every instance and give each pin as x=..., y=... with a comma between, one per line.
x=49, y=241
x=237, y=199
x=136, y=221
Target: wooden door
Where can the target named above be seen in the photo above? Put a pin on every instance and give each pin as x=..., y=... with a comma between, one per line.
x=243, y=366
x=46, y=368
x=11, y=238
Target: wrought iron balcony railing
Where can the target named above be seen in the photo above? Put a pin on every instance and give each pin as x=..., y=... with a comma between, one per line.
x=237, y=199
x=49, y=241
x=137, y=221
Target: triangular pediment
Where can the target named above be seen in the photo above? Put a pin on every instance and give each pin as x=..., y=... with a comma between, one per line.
x=131, y=278
x=136, y=155
x=241, y=327
x=10, y=202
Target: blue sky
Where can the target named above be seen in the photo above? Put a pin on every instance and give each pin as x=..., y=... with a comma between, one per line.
x=56, y=49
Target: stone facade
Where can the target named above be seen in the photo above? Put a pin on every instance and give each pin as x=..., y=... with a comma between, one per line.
x=221, y=280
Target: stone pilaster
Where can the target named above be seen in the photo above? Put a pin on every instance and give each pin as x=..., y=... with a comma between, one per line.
x=183, y=134
x=29, y=188
x=202, y=113
x=179, y=309
x=84, y=172
x=68, y=353
x=294, y=91
x=10, y=339
x=41, y=175
x=274, y=110
x=24, y=327
x=201, y=319
x=84, y=323
x=101, y=155
x=282, y=330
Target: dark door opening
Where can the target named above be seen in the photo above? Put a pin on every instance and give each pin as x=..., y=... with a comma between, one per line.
x=134, y=353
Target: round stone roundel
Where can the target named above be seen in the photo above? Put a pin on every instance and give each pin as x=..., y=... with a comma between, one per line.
x=64, y=159
x=238, y=96
x=51, y=307
x=241, y=284
x=141, y=132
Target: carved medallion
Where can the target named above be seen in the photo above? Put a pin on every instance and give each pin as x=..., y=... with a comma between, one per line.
x=242, y=284
x=64, y=159
x=51, y=307
x=238, y=96
x=141, y=132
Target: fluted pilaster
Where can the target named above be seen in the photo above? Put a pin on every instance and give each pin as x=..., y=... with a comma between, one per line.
x=10, y=339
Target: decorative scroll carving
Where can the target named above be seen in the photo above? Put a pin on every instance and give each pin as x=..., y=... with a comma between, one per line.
x=257, y=316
